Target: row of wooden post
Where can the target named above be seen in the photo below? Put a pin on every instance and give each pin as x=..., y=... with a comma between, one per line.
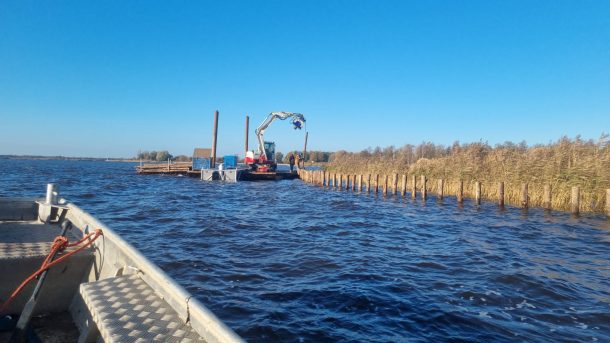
x=355, y=183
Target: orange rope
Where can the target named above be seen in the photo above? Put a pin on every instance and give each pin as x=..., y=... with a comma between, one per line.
x=60, y=243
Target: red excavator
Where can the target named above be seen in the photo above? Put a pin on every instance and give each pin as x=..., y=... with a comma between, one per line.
x=264, y=160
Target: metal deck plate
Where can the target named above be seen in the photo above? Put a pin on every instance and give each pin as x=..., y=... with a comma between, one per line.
x=27, y=239
x=126, y=309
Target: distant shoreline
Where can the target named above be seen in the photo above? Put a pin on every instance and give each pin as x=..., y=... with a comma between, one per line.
x=66, y=158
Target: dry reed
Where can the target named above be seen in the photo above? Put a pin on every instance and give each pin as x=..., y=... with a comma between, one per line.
x=561, y=164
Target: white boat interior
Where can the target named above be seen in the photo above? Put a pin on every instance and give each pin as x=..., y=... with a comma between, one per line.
x=106, y=292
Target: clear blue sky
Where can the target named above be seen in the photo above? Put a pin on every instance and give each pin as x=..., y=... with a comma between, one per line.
x=109, y=78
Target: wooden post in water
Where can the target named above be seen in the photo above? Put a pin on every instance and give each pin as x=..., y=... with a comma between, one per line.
x=376, y=183
x=575, y=201
x=395, y=185
x=385, y=184
x=368, y=183
x=441, y=184
x=413, y=187
x=546, y=200
x=477, y=193
x=524, y=196
x=460, y=192
x=403, y=185
x=608, y=203
x=340, y=182
x=335, y=186
x=359, y=182
x=424, y=193
x=214, y=141
x=348, y=180
x=501, y=194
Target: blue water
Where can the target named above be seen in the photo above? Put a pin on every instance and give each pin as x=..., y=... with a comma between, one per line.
x=288, y=261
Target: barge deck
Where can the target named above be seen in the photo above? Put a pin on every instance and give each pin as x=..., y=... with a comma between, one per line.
x=239, y=174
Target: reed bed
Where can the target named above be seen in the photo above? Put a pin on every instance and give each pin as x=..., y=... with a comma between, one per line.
x=561, y=164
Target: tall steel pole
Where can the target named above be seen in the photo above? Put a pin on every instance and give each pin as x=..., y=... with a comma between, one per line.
x=305, y=148
x=213, y=160
x=247, y=132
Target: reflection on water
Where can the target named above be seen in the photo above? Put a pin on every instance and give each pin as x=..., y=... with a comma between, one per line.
x=287, y=261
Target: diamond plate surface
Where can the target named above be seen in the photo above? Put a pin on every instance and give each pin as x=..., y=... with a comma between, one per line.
x=28, y=239
x=21, y=250
x=126, y=309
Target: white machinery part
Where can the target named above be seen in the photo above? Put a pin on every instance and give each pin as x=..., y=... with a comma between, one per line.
x=297, y=121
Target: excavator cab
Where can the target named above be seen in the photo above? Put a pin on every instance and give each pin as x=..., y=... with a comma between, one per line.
x=270, y=150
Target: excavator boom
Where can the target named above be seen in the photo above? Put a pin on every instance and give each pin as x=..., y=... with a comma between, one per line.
x=297, y=122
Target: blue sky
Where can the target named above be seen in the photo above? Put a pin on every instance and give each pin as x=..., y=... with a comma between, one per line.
x=109, y=78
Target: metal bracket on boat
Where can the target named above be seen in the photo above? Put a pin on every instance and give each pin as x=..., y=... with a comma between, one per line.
x=48, y=209
x=126, y=270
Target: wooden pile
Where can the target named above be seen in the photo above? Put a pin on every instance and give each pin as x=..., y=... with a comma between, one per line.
x=165, y=168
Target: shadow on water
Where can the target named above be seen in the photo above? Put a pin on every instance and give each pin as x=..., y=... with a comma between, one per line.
x=286, y=261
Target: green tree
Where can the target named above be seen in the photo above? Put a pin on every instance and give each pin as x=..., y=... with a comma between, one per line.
x=163, y=155
x=279, y=157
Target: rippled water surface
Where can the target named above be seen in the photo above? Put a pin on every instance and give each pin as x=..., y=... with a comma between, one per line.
x=287, y=261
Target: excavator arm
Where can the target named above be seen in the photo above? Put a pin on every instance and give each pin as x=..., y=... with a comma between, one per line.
x=297, y=122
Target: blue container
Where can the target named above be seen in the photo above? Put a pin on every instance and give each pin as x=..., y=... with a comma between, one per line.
x=201, y=163
x=230, y=162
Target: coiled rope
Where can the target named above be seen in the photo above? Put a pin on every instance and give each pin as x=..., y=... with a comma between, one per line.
x=60, y=243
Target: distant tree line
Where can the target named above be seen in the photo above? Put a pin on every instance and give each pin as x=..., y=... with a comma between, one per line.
x=310, y=156
x=154, y=155
x=161, y=156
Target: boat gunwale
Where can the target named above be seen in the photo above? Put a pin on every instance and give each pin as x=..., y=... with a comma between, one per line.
x=189, y=309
